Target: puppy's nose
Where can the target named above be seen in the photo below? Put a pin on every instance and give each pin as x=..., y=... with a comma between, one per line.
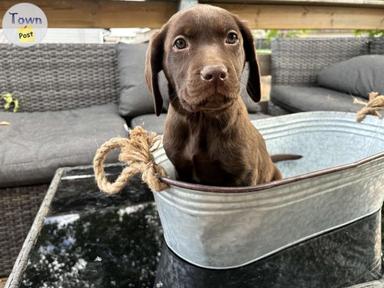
x=214, y=72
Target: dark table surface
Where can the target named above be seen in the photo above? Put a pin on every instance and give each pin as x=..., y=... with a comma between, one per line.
x=88, y=239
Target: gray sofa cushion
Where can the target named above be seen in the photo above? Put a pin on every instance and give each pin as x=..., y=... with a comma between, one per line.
x=35, y=144
x=156, y=124
x=301, y=99
x=357, y=76
x=134, y=95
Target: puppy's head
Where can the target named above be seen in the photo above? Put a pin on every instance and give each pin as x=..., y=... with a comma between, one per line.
x=202, y=51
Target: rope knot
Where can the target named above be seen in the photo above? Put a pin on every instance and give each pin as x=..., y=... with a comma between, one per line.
x=373, y=107
x=136, y=153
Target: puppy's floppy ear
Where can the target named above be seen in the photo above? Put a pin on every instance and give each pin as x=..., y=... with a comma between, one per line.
x=153, y=66
x=253, y=84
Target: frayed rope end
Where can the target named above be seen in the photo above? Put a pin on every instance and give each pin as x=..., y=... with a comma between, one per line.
x=373, y=106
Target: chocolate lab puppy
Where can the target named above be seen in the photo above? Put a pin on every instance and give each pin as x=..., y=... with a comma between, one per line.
x=208, y=135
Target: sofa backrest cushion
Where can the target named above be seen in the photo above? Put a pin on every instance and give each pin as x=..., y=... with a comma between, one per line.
x=357, y=76
x=297, y=61
x=50, y=77
x=135, y=98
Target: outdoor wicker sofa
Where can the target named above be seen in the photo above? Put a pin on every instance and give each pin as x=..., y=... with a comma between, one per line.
x=296, y=63
x=68, y=98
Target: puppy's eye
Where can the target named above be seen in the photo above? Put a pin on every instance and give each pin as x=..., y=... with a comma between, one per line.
x=180, y=43
x=232, y=38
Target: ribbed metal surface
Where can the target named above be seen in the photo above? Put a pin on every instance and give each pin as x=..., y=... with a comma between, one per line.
x=339, y=180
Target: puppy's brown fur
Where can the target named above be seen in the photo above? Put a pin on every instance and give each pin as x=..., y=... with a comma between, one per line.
x=208, y=136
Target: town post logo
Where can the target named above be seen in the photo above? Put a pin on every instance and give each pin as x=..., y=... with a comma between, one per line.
x=25, y=24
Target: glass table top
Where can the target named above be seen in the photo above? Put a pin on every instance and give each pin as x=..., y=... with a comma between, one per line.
x=89, y=239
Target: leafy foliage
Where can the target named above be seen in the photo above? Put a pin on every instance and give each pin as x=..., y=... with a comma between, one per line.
x=274, y=33
x=369, y=33
x=10, y=102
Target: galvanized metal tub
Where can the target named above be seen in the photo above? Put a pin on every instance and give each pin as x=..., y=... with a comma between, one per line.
x=339, y=180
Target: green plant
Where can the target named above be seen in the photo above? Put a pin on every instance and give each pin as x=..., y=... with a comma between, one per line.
x=274, y=33
x=10, y=101
x=369, y=33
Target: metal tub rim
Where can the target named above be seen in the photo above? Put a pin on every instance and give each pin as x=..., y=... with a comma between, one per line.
x=255, y=188
x=288, y=180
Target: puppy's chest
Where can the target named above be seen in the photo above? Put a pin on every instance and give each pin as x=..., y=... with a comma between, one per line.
x=204, y=155
x=201, y=145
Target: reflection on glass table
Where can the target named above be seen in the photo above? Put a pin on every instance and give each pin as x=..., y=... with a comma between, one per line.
x=88, y=239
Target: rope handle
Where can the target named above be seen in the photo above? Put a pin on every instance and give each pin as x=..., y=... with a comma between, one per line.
x=136, y=153
x=373, y=106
